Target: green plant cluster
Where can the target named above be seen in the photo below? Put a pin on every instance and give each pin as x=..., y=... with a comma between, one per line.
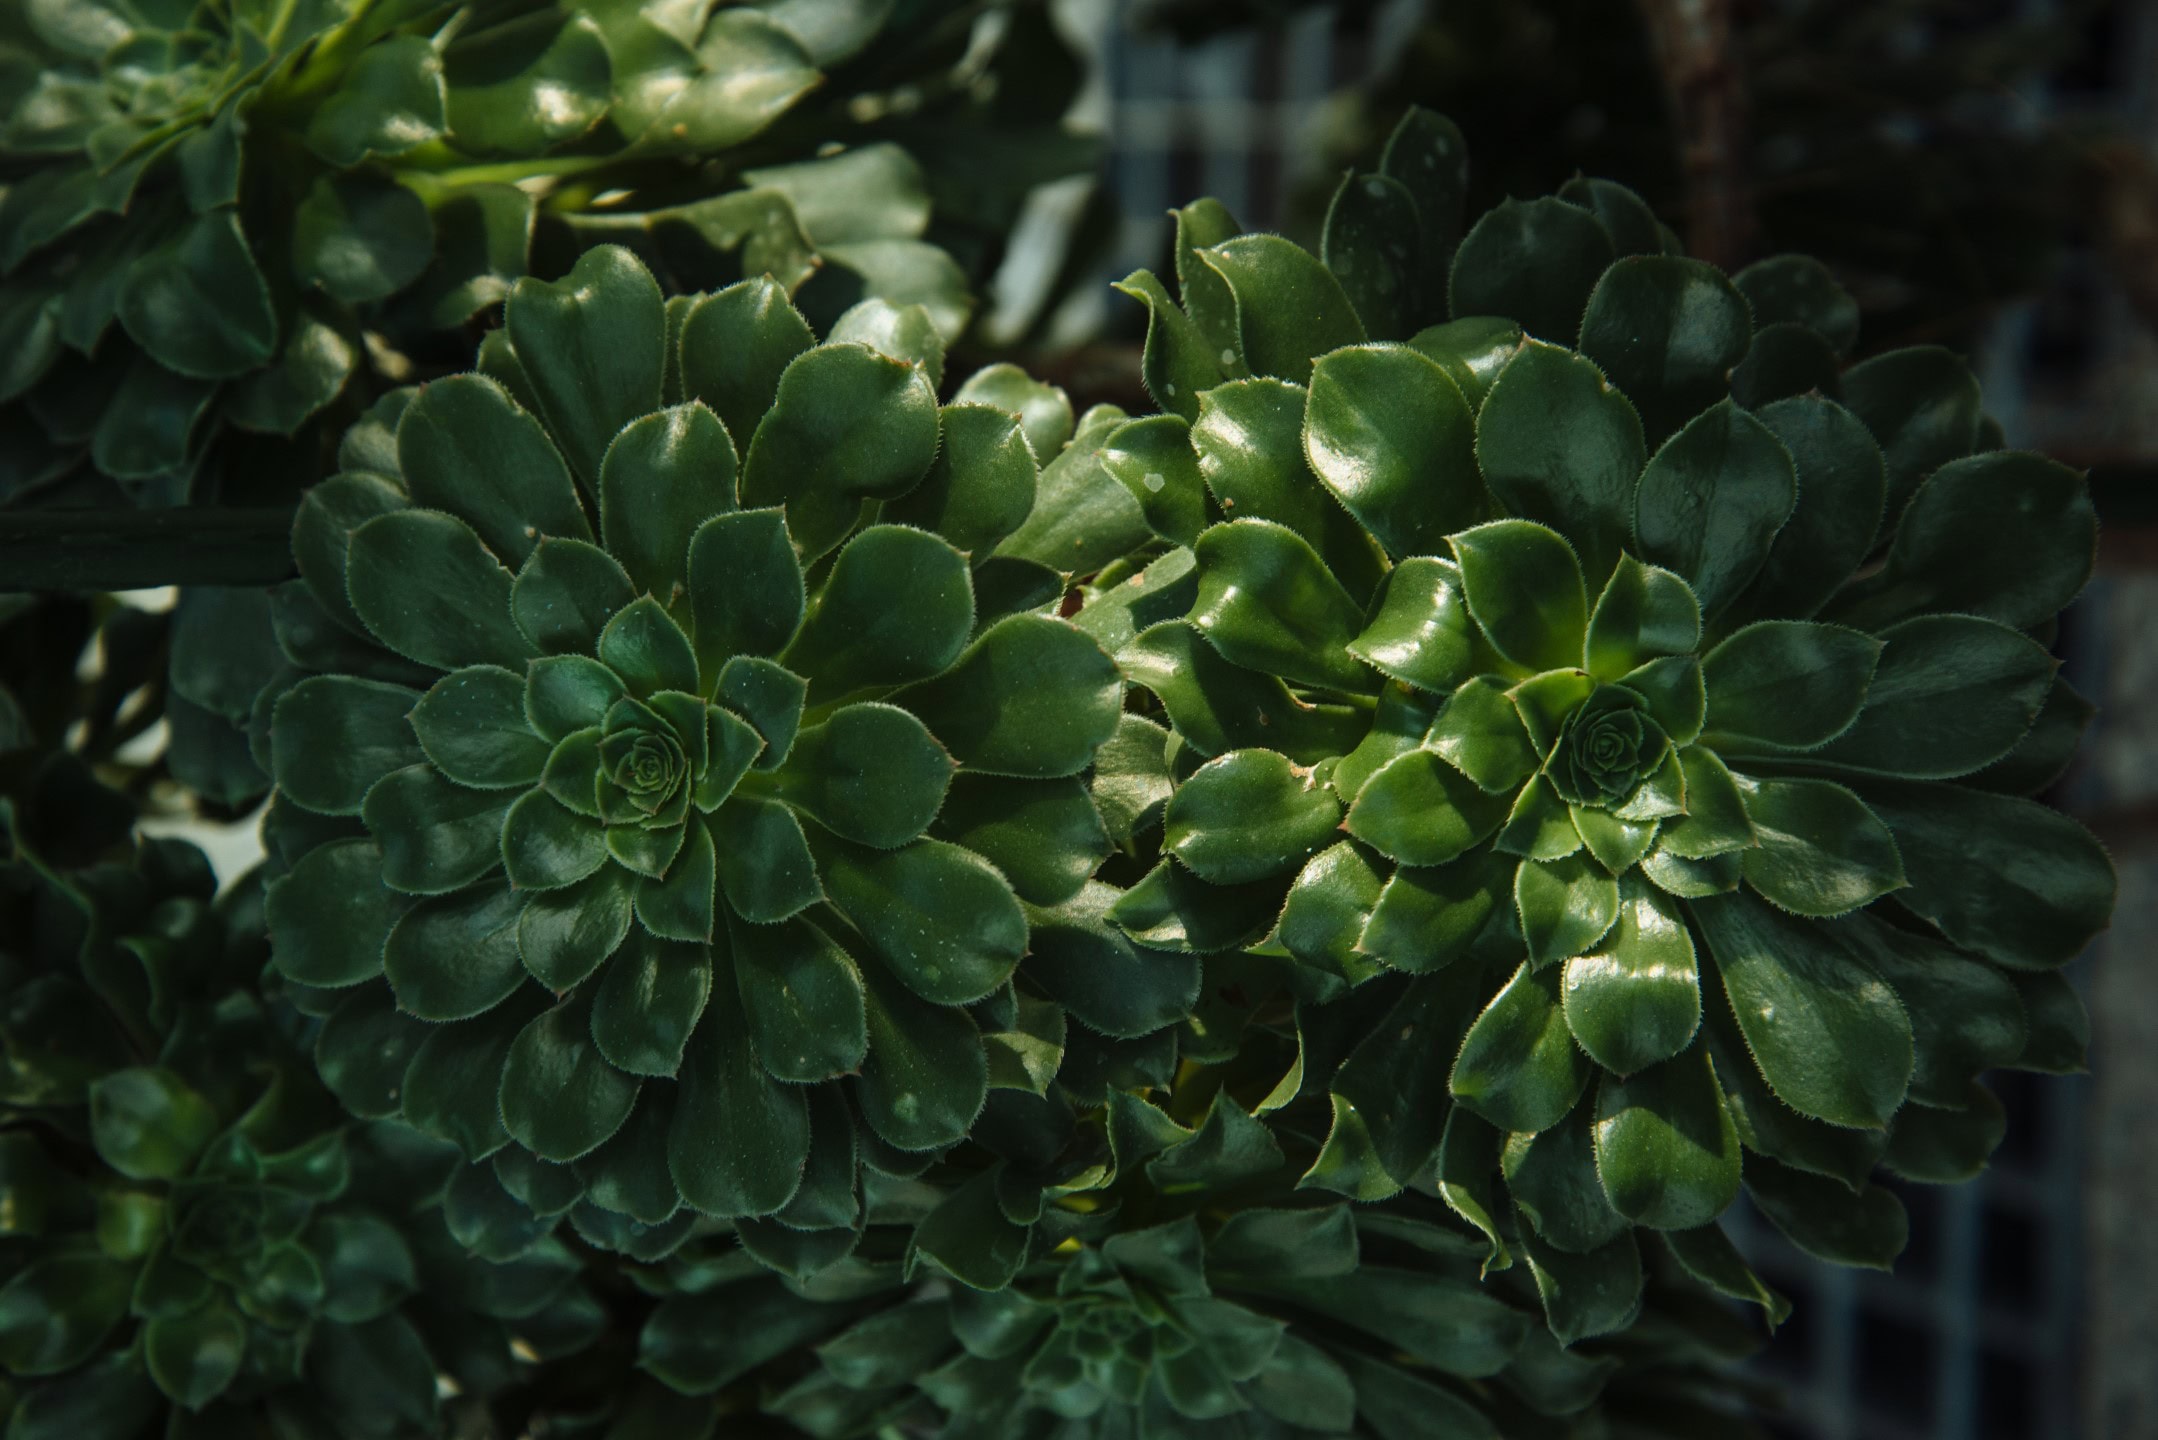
x=799, y=907
x=221, y=221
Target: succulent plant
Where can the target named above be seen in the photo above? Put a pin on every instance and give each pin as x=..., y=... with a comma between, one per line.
x=248, y=218
x=1677, y=693
x=671, y=824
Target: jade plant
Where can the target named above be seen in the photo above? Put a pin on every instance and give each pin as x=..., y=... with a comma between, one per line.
x=1545, y=616
x=667, y=808
x=251, y=219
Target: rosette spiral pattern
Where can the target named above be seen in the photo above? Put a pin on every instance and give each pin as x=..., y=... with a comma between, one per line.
x=669, y=815
x=215, y=209
x=1659, y=694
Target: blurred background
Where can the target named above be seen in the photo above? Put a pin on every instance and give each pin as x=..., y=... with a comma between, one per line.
x=1981, y=174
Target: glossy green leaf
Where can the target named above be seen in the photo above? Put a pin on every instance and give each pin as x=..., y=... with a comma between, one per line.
x=523, y=87
x=735, y=344
x=801, y=997
x=456, y=956
x=1083, y=961
x=1082, y=520
x=980, y=487
x=942, y=918
x=1666, y=1150
x=1389, y=433
x=55, y=1310
x=1534, y=261
x=766, y=871
x=336, y=735
x=740, y=1140
x=1369, y=243
x=560, y=1096
x=1466, y=1176
x=566, y=695
x=1031, y=697
x=1419, y=631
x=1247, y=815
x=426, y=587
x=1587, y=1295
x=1046, y=836
x=436, y=836
x=1557, y=444
x=148, y=1124
x=1798, y=289
x=1565, y=906
x=1329, y=908
x=897, y=606
x=1707, y=1254
x=1635, y=999
x=363, y=1050
x=1952, y=694
x=1841, y=485
x=1427, y=919
x=1826, y=1221
x=1922, y=404
x=1480, y=733
x=1044, y=411
x=1289, y=308
x=648, y=650
x=1667, y=331
x=903, y=332
x=1173, y=909
x=1153, y=459
x=1267, y=602
x=1420, y=810
x=1249, y=440
x=1215, y=706
x=1643, y=613
x=546, y=845
x=1711, y=501
x=681, y=903
x=565, y=594
x=1178, y=362
x=1518, y=1067
x=1523, y=585
x=473, y=726
x=871, y=773
x=330, y=915
x=1828, y=1034
x=847, y=425
x=661, y=477
x=926, y=1077
x=1552, y=1179
x=452, y=1087
x=464, y=446
x=1817, y=849
x=1787, y=684
x=198, y=304
x=390, y=101
x=2009, y=879
x=745, y=588
x=648, y=1002
x=359, y=239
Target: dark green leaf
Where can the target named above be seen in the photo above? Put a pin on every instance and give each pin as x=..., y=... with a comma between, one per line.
x=1247, y=815
x=330, y=915
x=926, y=1078
x=452, y=1088
x=522, y=87
x=1665, y=1149
x=1708, y=1255
x=765, y=869
x=981, y=486
x=648, y=1002
x=1826, y=1221
x=1420, y=810
x=1044, y=412
x=740, y=1139
x=681, y=904
x=1472, y=351
x=336, y=735
x=1178, y=362
x=1559, y=445
x=1044, y=835
x=1032, y=697
x=1798, y=289
x=148, y=1124
x=1427, y=919
x=1518, y=1067
x=1081, y=960
x=735, y=345
x=546, y=845
x=662, y=477
x=456, y=957
x=941, y=917
x=1667, y=331
x=1370, y=243
x=358, y=238
x=1923, y=405
x=198, y=304
x=435, y=836
x=560, y=1096
x=1419, y=632
x=897, y=606
x=54, y=1311
x=1524, y=587
x=1534, y=261
x=390, y=101
x=1711, y=501
x=1817, y=849
x=1249, y=440
x=745, y=588
x=1216, y=706
x=1389, y=433
x=427, y=588
x=1154, y=460
x=802, y=1000
x=1952, y=694
x=1636, y=1000
x=1787, y=683
x=1289, y=308
x=472, y=725
x=1267, y=602
x=1841, y=485
x=1552, y=1179
x=565, y=594
x=1587, y=1295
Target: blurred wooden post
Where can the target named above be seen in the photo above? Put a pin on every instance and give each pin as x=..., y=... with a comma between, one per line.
x=1707, y=95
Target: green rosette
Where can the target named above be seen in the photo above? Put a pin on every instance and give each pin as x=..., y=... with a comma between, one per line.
x=664, y=816
x=193, y=1232
x=1543, y=617
x=232, y=224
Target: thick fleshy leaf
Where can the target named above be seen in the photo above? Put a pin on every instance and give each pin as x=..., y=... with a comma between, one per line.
x=1086, y=964
x=1936, y=1145
x=1667, y=330
x=546, y=845
x=1247, y=815
x=1389, y=433
x=1153, y=459
x=871, y=773
x=1370, y=243
x=801, y=998
x=435, y=836
x=1708, y=1255
x=336, y=735
x=1922, y=403
x=745, y=587
x=663, y=476
x=765, y=869
x=1841, y=486
x=740, y=1139
x=1966, y=1016
x=941, y=917
x=359, y=238
x=1644, y=612
x=1534, y=261
x=644, y=646
x=148, y=1124
x=1587, y=1295
x=1329, y=908
x=198, y=304
x=1826, y=1221
x=1249, y=440
x=1267, y=602
x=1711, y=501
x=1557, y=444
x=1564, y=905
x=1787, y=684
x=1046, y=836
x=466, y=447
x=1472, y=351
x=1289, y=307
x=1419, y=632
x=1427, y=919
x=453, y=1086
x=566, y=593
x=389, y=101
x=897, y=606
x=1178, y=362
x=1715, y=822
x=560, y=1097
x=363, y=1049
x=1798, y=289
x=1173, y=909
x=1480, y=734
x=1518, y=1067
x=981, y=486
x=969, y=1238
x=735, y=345
x=1523, y=585
x=1666, y=1150
x=1552, y=1179
x=1635, y=999
x=426, y=587
x=54, y=1311
x=455, y=957
x=1828, y=1034
x=593, y=345
x=926, y=1077
x=1420, y=810
x=648, y=1003
x=1216, y=706
x=1627, y=218
x=1817, y=849
x=681, y=904
x=473, y=726
x=2009, y=879
x=331, y=914
x=1044, y=411
x=1032, y=697
x=847, y=425
x=2006, y=536
x=1952, y=694
x=771, y=698
x=568, y=694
